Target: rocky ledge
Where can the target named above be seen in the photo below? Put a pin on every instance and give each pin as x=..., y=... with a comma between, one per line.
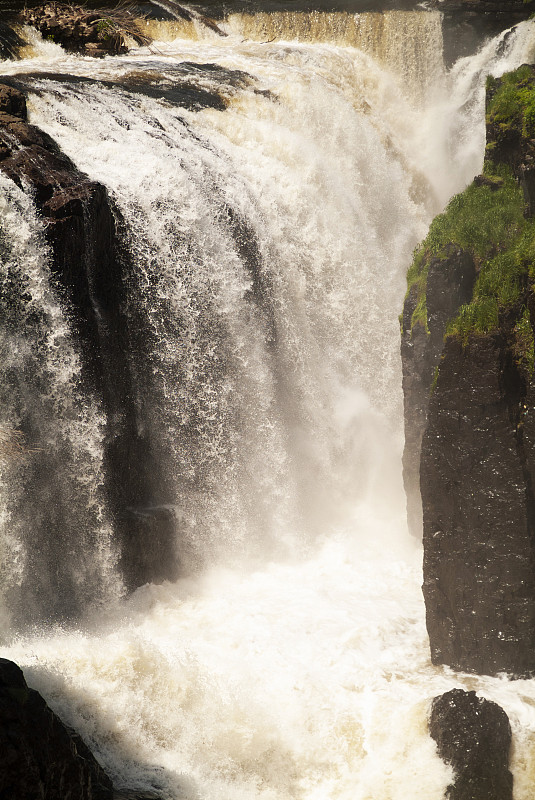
x=521, y=8
x=469, y=388
x=95, y=33
x=40, y=757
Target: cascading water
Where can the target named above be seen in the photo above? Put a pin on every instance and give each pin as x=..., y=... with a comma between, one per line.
x=270, y=217
x=54, y=524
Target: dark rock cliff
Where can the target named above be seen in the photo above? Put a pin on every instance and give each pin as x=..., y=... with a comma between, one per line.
x=520, y=8
x=450, y=282
x=468, y=355
x=477, y=493
x=466, y=23
x=40, y=757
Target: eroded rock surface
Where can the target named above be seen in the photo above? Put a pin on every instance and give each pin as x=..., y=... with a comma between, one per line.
x=479, y=585
x=449, y=284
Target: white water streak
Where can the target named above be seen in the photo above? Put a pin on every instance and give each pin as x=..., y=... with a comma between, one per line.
x=40, y=393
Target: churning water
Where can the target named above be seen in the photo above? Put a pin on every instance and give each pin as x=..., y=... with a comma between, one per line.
x=271, y=217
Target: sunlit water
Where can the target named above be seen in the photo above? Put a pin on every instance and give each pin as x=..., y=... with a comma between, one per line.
x=294, y=662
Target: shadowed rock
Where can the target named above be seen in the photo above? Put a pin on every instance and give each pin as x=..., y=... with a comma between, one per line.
x=449, y=285
x=473, y=735
x=39, y=758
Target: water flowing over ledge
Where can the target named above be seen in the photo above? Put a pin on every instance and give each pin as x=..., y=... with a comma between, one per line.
x=267, y=239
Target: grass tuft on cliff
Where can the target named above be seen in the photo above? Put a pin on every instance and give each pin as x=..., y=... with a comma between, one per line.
x=488, y=221
x=510, y=114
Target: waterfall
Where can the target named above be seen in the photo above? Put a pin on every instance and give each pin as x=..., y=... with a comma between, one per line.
x=269, y=188
x=57, y=550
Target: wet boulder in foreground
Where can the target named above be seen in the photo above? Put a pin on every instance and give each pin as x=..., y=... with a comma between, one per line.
x=39, y=758
x=473, y=735
x=12, y=102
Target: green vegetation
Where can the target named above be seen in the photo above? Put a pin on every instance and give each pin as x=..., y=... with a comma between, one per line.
x=511, y=106
x=488, y=221
x=434, y=381
x=105, y=25
x=524, y=345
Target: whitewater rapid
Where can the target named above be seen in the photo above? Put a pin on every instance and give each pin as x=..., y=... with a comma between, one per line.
x=293, y=662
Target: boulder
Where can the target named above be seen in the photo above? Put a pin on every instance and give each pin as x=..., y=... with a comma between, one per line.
x=39, y=758
x=473, y=735
x=12, y=102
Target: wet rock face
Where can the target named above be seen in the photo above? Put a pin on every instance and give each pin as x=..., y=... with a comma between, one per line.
x=90, y=265
x=39, y=758
x=474, y=736
x=477, y=500
x=468, y=23
x=470, y=411
x=12, y=102
x=449, y=285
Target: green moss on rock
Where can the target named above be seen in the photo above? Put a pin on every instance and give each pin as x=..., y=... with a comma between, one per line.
x=488, y=221
x=524, y=345
x=510, y=107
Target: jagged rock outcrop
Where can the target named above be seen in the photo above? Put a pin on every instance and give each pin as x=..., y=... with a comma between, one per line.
x=102, y=31
x=90, y=265
x=10, y=39
x=474, y=736
x=39, y=758
x=468, y=23
x=477, y=457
